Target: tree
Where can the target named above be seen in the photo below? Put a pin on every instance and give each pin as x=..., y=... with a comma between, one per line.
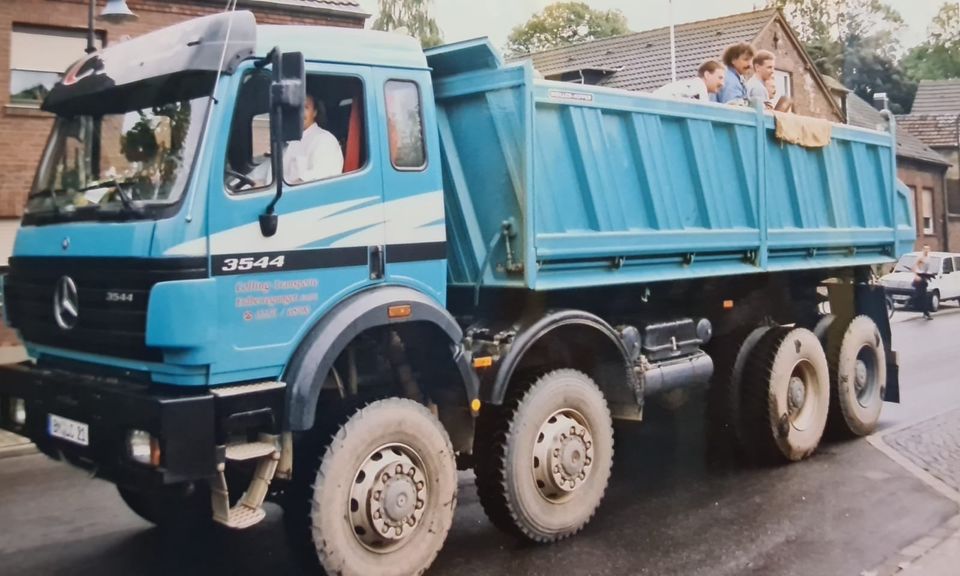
x=856, y=42
x=939, y=57
x=564, y=23
x=411, y=16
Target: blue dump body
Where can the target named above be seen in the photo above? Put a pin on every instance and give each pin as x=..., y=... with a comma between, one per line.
x=608, y=187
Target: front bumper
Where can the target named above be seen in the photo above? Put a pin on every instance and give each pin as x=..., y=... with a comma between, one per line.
x=192, y=427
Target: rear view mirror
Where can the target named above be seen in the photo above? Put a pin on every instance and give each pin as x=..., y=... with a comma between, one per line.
x=288, y=93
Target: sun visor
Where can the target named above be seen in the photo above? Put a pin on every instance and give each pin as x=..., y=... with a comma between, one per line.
x=192, y=51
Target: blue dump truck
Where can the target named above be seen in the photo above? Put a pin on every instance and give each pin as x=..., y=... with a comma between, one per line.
x=493, y=269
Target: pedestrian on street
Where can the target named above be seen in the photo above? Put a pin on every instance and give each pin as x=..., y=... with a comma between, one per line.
x=920, y=281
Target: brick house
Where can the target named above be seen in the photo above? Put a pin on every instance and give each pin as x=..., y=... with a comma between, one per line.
x=921, y=169
x=40, y=38
x=640, y=61
x=935, y=119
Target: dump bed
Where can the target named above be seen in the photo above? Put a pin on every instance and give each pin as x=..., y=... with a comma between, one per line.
x=593, y=186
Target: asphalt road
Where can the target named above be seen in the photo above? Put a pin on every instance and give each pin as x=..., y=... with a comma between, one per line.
x=666, y=512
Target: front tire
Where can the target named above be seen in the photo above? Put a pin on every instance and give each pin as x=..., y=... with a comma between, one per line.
x=858, y=374
x=384, y=495
x=544, y=458
x=786, y=395
x=934, y=301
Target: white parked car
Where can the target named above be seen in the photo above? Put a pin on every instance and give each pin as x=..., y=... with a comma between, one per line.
x=944, y=286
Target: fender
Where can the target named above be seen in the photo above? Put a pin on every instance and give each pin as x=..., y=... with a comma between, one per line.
x=494, y=386
x=336, y=329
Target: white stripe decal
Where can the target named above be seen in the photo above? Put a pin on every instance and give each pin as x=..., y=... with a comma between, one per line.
x=408, y=220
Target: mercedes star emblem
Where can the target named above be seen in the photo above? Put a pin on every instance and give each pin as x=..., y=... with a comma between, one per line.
x=66, y=243
x=66, y=303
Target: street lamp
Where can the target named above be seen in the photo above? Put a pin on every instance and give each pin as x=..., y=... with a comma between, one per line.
x=115, y=12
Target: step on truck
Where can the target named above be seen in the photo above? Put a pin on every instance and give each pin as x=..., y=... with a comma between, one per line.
x=482, y=269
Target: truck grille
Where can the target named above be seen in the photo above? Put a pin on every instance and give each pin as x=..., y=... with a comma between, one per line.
x=112, y=296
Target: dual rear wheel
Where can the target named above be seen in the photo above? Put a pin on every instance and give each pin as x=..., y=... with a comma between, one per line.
x=788, y=386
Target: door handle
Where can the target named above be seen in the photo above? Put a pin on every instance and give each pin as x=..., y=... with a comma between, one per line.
x=376, y=259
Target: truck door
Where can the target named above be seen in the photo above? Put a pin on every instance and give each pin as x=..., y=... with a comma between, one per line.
x=413, y=197
x=330, y=224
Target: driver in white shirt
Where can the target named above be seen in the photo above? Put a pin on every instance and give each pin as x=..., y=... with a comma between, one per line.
x=315, y=156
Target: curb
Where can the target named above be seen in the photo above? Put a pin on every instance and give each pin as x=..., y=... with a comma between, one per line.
x=25, y=449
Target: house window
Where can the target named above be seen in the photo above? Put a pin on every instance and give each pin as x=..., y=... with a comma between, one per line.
x=38, y=58
x=953, y=197
x=927, y=211
x=784, y=83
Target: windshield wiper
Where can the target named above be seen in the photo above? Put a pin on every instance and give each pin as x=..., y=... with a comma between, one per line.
x=129, y=204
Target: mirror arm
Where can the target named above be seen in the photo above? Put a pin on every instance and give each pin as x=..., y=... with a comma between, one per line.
x=268, y=220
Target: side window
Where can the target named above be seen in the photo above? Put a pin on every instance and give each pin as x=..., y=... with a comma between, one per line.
x=333, y=142
x=405, y=125
x=947, y=265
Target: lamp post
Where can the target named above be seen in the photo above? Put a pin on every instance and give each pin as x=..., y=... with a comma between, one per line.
x=115, y=12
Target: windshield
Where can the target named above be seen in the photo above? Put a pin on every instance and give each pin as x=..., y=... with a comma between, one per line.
x=119, y=163
x=908, y=262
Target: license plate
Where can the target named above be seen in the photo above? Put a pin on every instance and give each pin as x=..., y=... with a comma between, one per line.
x=69, y=430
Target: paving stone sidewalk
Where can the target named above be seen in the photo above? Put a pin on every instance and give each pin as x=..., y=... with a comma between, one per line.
x=933, y=445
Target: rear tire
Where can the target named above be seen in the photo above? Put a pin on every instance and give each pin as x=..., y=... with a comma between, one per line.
x=544, y=457
x=383, y=497
x=786, y=396
x=858, y=376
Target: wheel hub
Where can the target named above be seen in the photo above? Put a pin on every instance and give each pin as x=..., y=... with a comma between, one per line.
x=796, y=395
x=860, y=376
x=388, y=497
x=562, y=455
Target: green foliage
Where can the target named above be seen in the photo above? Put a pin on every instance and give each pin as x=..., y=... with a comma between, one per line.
x=565, y=23
x=413, y=16
x=866, y=71
x=939, y=57
x=854, y=41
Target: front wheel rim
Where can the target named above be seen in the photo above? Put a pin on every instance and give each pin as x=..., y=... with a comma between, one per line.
x=388, y=498
x=563, y=455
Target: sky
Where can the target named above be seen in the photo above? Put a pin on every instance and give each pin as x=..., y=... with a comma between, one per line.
x=463, y=19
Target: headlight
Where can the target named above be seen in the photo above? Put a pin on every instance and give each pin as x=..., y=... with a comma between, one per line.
x=18, y=411
x=143, y=448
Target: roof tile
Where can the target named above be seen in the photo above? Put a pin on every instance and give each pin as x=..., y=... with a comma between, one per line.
x=861, y=113
x=643, y=58
x=937, y=97
x=940, y=130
